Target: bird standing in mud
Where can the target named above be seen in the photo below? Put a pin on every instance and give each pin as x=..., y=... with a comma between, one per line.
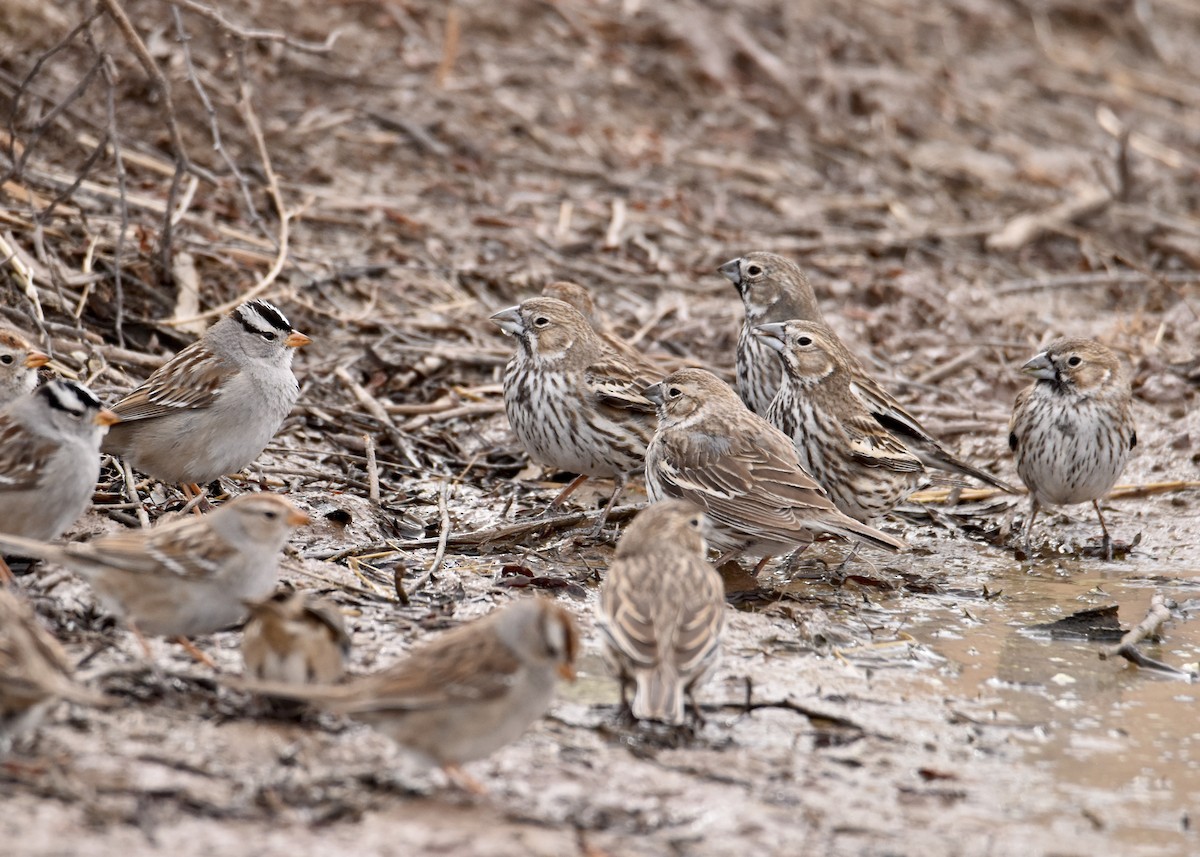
x=661, y=611
x=1072, y=431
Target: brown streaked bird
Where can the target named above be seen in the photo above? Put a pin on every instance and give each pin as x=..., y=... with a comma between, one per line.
x=711, y=450
x=866, y=470
x=573, y=402
x=212, y=408
x=466, y=693
x=1072, y=431
x=773, y=288
x=661, y=611
x=295, y=638
x=19, y=362
x=34, y=671
x=186, y=577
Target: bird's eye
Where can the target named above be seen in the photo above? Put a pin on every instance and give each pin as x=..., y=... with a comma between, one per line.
x=270, y=515
x=694, y=523
x=267, y=335
x=674, y=392
x=1074, y=360
x=541, y=321
x=804, y=341
x=753, y=270
x=6, y=359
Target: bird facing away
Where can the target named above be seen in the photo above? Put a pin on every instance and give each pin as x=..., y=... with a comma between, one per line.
x=34, y=671
x=186, y=577
x=711, y=450
x=19, y=362
x=466, y=693
x=213, y=407
x=573, y=402
x=866, y=470
x=296, y=638
x=1072, y=431
x=661, y=611
x=49, y=458
x=772, y=288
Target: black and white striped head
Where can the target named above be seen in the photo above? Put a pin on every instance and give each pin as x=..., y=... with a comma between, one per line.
x=73, y=406
x=261, y=330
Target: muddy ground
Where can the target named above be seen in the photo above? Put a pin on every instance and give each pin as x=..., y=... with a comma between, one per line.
x=963, y=180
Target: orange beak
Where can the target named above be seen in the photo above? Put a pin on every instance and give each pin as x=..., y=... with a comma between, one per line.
x=296, y=518
x=296, y=339
x=107, y=418
x=36, y=359
x=566, y=671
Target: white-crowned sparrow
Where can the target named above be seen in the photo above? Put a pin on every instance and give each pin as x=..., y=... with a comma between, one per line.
x=214, y=406
x=49, y=458
x=468, y=692
x=19, y=363
x=296, y=638
x=189, y=576
x=661, y=610
x=34, y=671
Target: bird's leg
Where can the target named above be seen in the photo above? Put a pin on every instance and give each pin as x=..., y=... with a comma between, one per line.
x=6, y=575
x=191, y=649
x=1033, y=513
x=840, y=571
x=137, y=634
x=1108, y=545
x=612, y=501
x=463, y=780
x=761, y=564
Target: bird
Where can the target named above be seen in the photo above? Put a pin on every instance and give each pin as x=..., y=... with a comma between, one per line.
x=34, y=671
x=773, y=288
x=711, y=450
x=464, y=694
x=188, y=576
x=661, y=611
x=49, y=458
x=213, y=407
x=1072, y=430
x=865, y=469
x=19, y=362
x=573, y=402
x=296, y=638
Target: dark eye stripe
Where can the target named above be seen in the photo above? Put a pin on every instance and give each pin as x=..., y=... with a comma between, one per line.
x=260, y=317
x=69, y=397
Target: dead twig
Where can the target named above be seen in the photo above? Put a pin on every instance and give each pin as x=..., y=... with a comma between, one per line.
x=1144, y=630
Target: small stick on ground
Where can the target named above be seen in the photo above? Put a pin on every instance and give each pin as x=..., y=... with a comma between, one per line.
x=131, y=488
x=1147, y=628
x=443, y=539
x=372, y=470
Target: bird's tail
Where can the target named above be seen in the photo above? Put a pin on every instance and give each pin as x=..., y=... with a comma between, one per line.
x=942, y=460
x=658, y=695
x=851, y=529
x=21, y=546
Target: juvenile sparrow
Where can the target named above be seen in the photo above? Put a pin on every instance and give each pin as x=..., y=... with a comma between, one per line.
x=214, y=406
x=49, y=458
x=772, y=288
x=34, y=671
x=742, y=471
x=866, y=470
x=466, y=693
x=1072, y=431
x=572, y=401
x=186, y=577
x=19, y=363
x=296, y=638
x=661, y=611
